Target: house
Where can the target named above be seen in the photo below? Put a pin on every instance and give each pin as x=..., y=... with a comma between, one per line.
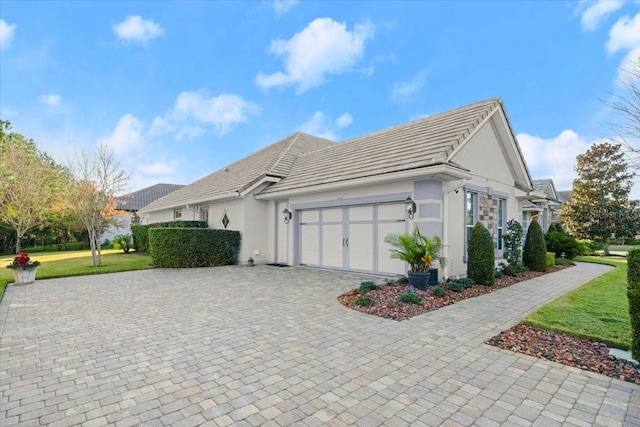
x=129, y=205
x=543, y=205
x=309, y=201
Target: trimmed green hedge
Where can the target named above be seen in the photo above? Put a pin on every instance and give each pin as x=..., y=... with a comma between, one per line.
x=534, y=254
x=481, y=262
x=140, y=233
x=551, y=259
x=193, y=247
x=633, y=293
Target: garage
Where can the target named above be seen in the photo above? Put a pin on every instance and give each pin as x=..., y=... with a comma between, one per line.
x=351, y=237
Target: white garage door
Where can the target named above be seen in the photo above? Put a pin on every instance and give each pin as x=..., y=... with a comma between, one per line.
x=351, y=238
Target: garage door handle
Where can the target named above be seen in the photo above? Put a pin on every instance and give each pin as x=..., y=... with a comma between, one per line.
x=347, y=242
x=343, y=243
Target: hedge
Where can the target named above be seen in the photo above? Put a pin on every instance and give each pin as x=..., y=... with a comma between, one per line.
x=534, y=254
x=140, y=233
x=481, y=262
x=193, y=247
x=633, y=293
x=551, y=259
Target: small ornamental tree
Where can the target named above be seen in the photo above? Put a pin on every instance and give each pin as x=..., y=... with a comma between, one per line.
x=534, y=255
x=481, y=259
x=513, y=249
x=633, y=293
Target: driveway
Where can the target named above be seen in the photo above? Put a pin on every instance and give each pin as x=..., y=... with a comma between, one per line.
x=272, y=346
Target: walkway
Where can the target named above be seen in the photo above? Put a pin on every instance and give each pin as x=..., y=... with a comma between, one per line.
x=272, y=346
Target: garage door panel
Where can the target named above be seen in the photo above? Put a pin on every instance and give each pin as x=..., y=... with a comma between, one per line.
x=332, y=250
x=391, y=212
x=310, y=244
x=386, y=264
x=361, y=246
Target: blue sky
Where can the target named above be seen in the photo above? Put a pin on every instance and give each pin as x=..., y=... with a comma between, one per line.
x=179, y=89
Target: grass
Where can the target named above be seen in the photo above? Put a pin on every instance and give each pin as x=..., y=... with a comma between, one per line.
x=76, y=263
x=598, y=310
x=623, y=248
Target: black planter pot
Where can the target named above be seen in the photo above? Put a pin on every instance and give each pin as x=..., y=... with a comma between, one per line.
x=423, y=280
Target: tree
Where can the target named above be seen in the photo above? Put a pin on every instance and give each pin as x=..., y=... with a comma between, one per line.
x=513, y=249
x=600, y=207
x=98, y=179
x=29, y=184
x=627, y=106
x=534, y=253
x=481, y=262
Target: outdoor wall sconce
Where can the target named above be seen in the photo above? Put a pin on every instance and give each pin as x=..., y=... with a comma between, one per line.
x=287, y=215
x=411, y=207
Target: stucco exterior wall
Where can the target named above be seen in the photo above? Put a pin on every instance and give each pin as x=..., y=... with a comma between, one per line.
x=160, y=216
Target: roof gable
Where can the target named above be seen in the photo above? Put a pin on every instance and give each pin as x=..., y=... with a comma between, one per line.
x=421, y=143
x=545, y=186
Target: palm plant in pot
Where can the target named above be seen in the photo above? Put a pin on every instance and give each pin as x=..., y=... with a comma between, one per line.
x=421, y=253
x=23, y=269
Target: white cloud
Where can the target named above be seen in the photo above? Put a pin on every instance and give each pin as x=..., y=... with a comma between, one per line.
x=127, y=135
x=50, y=99
x=593, y=16
x=401, y=92
x=283, y=6
x=324, y=47
x=324, y=127
x=135, y=29
x=625, y=34
x=194, y=110
x=344, y=120
x=7, y=32
x=159, y=168
x=553, y=158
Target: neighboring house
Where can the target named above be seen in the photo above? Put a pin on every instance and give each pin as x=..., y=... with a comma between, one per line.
x=543, y=205
x=308, y=201
x=129, y=206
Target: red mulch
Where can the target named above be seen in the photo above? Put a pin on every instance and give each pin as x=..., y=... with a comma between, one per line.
x=386, y=304
x=580, y=353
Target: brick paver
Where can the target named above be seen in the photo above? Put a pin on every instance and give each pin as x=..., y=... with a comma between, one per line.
x=272, y=346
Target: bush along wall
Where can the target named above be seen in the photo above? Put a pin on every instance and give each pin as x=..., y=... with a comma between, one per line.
x=633, y=293
x=193, y=247
x=140, y=233
x=481, y=262
x=534, y=254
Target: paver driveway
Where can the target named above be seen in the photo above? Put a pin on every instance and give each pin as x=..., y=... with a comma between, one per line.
x=272, y=346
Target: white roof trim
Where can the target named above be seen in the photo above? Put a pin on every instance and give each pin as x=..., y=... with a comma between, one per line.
x=443, y=172
x=226, y=196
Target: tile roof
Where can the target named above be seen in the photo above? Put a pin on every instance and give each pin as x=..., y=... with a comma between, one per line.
x=541, y=184
x=141, y=198
x=564, y=196
x=275, y=160
x=424, y=142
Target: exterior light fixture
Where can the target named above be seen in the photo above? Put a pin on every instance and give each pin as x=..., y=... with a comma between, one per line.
x=287, y=215
x=411, y=207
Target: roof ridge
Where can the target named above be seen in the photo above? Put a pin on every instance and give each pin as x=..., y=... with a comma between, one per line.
x=273, y=165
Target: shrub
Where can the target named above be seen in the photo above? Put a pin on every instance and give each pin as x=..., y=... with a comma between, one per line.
x=438, y=291
x=551, y=259
x=411, y=298
x=122, y=241
x=513, y=270
x=367, y=286
x=534, y=254
x=363, y=301
x=403, y=280
x=561, y=243
x=466, y=282
x=633, y=293
x=632, y=242
x=193, y=247
x=141, y=232
x=513, y=249
x=564, y=261
x=481, y=259
x=455, y=287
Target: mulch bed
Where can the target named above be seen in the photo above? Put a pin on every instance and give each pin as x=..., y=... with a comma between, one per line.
x=580, y=353
x=386, y=303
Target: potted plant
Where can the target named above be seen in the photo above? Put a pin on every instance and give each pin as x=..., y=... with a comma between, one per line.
x=24, y=269
x=421, y=253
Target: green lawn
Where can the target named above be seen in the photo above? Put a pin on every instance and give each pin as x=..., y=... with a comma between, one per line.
x=623, y=248
x=598, y=310
x=76, y=263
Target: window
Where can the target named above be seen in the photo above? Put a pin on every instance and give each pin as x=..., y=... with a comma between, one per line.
x=177, y=213
x=204, y=214
x=225, y=220
x=471, y=212
x=502, y=214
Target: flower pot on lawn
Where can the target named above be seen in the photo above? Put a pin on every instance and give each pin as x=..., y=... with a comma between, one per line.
x=24, y=277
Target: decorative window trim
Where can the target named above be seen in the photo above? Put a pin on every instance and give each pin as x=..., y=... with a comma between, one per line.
x=501, y=222
x=224, y=220
x=469, y=227
x=177, y=214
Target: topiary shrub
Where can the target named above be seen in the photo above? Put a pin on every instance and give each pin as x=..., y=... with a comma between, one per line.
x=367, y=286
x=193, y=247
x=438, y=291
x=551, y=259
x=481, y=259
x=411, y=298
x=140, y=233
x=534, y=254
x=633, y=293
